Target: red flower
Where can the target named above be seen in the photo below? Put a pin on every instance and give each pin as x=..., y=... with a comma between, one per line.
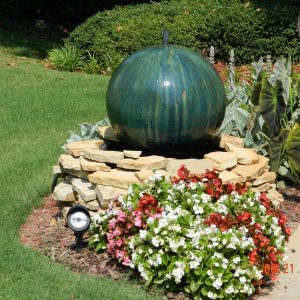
x=183, y=172
x=253, y=257
x=244, y=217
x=287, y=231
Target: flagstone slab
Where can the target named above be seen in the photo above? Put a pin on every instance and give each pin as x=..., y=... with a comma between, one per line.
x=222, y=160
x=239, y=142
x=84, y=188
x=64, y=192
x=106, y=194
x=115, y=178
x=76, y=148
x=249, y=172
x=68, y=162
x=132, y=154
x=103, y=156
x=245, y=156
x=269, y=177
x=92, y=166
x=230, y=177
x=107, y=133
x=91, y=205
x=195, y=166
x=152, y=162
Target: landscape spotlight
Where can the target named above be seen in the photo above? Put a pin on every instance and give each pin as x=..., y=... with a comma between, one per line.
x=79, y=220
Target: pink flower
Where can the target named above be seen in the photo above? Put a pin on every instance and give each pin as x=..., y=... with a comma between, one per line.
x=117, y=232
x=119, y=242
x=121, y=216
x=138, y=221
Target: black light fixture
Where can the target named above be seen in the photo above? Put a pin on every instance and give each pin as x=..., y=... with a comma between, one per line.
x=78, y=220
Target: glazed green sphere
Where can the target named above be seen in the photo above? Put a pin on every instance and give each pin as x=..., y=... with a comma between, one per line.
x=165, y=97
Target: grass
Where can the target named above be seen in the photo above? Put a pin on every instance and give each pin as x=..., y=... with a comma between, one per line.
x=37, y=108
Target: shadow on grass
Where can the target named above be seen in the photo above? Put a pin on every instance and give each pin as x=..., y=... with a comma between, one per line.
x=27, y=42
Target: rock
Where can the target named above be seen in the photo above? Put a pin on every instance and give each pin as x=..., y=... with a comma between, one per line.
x=84, y=189
x=269, y=177
x=65, y=211
x=92, y=166
x=195, y=166
x=64, y=192
x=263, y=161
x=232, y=140
x=146, y=174
x=58, y=169
x=263, y=188
x=143, y=163
x=76, y=173
x=222, y=160
x=76, y=148
x=103, y=155
x=230, y=177
x=107, y=133
x=115, y=178
x=106, y=194
x=245, y=156
x=132, y=154
x=92, y=205
x=68, y=162
x=273, y=195
x=276, y=203
x=249, y=172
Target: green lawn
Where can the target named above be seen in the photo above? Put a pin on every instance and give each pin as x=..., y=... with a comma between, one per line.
x=37, y=108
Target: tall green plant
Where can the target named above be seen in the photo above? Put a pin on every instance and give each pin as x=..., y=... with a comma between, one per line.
x=266, y=113
x=276, y=96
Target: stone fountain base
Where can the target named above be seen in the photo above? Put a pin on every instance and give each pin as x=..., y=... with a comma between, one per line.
x=93, y=176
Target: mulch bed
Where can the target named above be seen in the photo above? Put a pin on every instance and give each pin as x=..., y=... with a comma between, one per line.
x=45, y=230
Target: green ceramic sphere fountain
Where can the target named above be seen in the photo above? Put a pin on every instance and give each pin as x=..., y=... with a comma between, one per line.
x=165, y=97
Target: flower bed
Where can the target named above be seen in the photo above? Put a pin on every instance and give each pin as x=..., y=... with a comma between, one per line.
x=196, y=234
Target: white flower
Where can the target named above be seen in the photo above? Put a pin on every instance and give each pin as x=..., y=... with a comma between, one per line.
x=134, y=257
x=243, y=279
x=155, y=241
x=198, y=209
x=217, y=283
x=205, y=198
x=193, y=185
x=210, y=273
x=212, y=295
x=194, y=264
x=143, y=234
x=236, y=260
x=229, y=290
x=178, y=272
x=140, y=268
x=158, y=260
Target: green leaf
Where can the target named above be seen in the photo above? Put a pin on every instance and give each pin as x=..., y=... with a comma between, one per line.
x=293, y=147
x=194, y=286
x=272, y=106
x=256, y=90
x=276, y=148
x=101, y=246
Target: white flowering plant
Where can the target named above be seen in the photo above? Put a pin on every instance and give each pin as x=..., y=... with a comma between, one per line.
x=196, y=234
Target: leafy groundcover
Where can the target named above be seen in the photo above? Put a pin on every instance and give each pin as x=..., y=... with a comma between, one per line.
x=195, y=234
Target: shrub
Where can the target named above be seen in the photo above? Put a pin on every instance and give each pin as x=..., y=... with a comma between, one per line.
x=114, y=34
x=213, y=240
x=66, y=58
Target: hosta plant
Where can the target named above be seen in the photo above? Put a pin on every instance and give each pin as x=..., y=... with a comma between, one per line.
x=195, y=234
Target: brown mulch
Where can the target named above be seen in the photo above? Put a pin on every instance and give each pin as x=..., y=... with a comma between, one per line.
x=45, y=230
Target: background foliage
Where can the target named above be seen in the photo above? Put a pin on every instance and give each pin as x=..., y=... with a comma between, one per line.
x=112, y=35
